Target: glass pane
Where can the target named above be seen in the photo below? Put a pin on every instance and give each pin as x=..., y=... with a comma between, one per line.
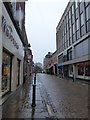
x=88, y=13
x=81, y=7
x=82, y=19
x=87, y=70
x=72, y=9
x=88, y=26
x=77, y=13
x=6, y=72
x=73, y=28
x=80, y=70
x=77, y=24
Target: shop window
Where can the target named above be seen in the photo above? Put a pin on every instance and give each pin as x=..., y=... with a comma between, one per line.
x=80, y=69
x=87, y=70
x=71, y=70
x=6, y=72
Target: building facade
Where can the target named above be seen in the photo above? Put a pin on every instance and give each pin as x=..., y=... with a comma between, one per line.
x=13, y=41
x=11, y=54
x=50, y=63
x=73, y=41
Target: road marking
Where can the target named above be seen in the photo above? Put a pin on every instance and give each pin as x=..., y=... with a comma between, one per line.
x=49, y=111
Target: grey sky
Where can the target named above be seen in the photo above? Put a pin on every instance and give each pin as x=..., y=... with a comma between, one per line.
x=42, y=17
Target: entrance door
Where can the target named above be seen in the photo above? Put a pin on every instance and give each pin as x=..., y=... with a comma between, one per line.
x=18, y=72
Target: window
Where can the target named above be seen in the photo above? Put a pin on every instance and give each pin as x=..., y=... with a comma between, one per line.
x=73, y=28
x=6, y=72
x=88, y=12
x=81, y=7
x=69, y=14
x=82, y=19
x=77, y=13
x=60, y=58
x=87, y=70
x=69, y=54
x=82, y=31
x=72, y=9
x=88, y=18
x=76, y=3
x=72, y=19
x=77, y=24
x=82, y=24
x=70, y=23
x=80, y=70
x=70, y=32
x=88, y=26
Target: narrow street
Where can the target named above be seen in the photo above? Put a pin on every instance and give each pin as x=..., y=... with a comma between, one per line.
x=68, y=98
x=55, y=98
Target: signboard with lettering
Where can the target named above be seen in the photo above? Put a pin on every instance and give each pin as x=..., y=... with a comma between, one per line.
x=9, y=32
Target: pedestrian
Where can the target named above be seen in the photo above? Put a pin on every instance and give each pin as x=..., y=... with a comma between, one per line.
x=73, y=77
x=25, y=75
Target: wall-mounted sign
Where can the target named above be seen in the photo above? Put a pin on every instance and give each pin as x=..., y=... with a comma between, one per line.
x=8, y=31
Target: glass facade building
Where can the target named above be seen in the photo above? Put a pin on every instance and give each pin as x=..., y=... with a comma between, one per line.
x=73, y=40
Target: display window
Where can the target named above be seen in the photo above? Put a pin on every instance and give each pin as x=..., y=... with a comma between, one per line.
x=71, y=69
x=80, y=70
x=6, y=72
x=87, y=68
x=84, y=69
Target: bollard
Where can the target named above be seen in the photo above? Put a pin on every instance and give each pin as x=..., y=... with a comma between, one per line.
x=34, y=96
x=34, y=79
x=35, y=74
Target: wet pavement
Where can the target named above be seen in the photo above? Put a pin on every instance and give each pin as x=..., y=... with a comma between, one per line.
x=70, y=99
x=19, y=104
x=55, y=98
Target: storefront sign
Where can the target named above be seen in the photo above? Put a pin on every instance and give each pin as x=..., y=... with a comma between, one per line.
x=8, y=31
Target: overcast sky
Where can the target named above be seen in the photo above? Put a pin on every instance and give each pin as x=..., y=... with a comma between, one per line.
x=42, y=18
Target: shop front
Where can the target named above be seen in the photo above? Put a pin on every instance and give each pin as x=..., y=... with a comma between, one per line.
x=60, y=70
x=12, y=54
x=6, y=71
x=83, y=70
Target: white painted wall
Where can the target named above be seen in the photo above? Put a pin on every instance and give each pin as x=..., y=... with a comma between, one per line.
x=17, y=53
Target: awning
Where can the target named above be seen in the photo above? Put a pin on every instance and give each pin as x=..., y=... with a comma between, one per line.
x=59, y=65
